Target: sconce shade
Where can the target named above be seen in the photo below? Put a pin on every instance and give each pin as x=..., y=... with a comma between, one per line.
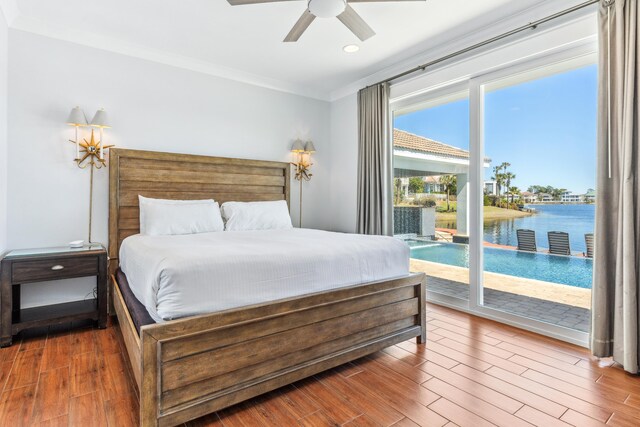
x=100, y=119
x=298, y=146
x=309, y=147
x=77, y=117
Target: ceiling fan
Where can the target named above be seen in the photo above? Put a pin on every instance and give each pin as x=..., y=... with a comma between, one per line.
x=340, y=9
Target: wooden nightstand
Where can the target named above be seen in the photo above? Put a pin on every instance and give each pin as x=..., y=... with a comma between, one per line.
x=37, y=265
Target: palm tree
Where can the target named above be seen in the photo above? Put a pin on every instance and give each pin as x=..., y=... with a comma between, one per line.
x=498, y=178
x=513, y=191
x=508, y=176
x=448, y=182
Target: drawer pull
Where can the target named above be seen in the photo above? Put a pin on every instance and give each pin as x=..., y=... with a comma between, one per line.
x=57, y=267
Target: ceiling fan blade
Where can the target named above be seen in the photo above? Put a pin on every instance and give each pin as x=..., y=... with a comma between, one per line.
x=243, y=2
x=300, y=27
x=356, y=24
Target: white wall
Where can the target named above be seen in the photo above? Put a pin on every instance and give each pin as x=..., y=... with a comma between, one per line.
x=152, y=107
x=4, y=32
x=344, y=123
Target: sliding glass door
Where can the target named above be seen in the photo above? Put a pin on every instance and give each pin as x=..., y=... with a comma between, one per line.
x=494, y=184
x=539, y=126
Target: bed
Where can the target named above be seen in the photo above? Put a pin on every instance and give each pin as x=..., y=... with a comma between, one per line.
x=194, y=365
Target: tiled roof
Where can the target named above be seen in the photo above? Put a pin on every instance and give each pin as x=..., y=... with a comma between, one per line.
x=409, y=141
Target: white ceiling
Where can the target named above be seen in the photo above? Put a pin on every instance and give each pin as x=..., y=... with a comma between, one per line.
x=249, y=38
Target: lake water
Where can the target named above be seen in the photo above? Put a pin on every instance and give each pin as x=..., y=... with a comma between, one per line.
x=577, y=220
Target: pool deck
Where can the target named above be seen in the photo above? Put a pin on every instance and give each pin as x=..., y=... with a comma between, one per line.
x=561, y=305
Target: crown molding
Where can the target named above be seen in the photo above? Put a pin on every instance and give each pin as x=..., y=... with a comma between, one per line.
x=438, y=47
x=35, y=26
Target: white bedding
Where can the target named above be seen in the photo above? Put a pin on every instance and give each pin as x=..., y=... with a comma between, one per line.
x=178, y=276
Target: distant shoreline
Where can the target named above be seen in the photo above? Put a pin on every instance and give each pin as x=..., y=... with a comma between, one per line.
x=491, y=213
x=559, y=203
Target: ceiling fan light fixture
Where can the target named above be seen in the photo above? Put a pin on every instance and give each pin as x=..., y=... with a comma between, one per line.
x=351, y=48
x=327, y=8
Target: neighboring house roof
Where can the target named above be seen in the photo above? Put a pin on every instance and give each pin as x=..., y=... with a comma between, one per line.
x=409, y=141
x=527, y=194
x=432, y=179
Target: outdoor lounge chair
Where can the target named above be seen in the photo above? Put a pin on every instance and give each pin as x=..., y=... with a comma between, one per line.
x=559, y=243
x=526, y=240
x=588, y=240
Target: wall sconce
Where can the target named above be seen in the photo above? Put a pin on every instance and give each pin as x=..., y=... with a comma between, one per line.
x=89, y=153
x=302, y=166
x=77, y=119
x=93, y=150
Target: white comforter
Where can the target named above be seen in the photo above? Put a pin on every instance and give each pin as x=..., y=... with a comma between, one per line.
x=178, y=276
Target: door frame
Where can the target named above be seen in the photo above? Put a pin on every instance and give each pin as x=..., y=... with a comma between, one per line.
x=475, y=85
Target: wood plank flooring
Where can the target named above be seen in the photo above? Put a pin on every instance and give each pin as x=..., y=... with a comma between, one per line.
x=471, y=372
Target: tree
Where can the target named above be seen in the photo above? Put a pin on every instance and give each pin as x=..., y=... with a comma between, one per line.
x=498, y=178
x=536, y=189
x=541, y=189
x=508, y=176
x=416, y=185
x=397, y=191
x=514, y=191
x=449, y=182
x=557, y=193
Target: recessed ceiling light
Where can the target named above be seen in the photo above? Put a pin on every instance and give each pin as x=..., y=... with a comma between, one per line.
x=351, y=48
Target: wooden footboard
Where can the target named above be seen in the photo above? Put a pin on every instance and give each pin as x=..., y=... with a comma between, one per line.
x=195, y=366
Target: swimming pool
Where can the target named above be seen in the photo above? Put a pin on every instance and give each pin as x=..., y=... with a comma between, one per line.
x=572, y=271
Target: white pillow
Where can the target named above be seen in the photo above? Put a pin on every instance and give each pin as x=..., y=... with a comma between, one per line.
x=240, y=216
x=159, y=217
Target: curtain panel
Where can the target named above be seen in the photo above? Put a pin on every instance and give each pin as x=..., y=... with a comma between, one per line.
x=616, y=305
x=375, y=162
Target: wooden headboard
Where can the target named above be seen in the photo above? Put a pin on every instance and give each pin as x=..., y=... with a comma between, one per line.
x=183, y=176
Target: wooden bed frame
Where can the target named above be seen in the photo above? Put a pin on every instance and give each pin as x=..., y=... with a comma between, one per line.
x=190, y=367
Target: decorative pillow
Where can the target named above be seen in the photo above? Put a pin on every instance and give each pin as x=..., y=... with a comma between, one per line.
x=241, y=216
x=159, y=217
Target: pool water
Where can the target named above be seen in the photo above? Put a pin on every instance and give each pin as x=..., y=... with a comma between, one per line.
x=565, y=270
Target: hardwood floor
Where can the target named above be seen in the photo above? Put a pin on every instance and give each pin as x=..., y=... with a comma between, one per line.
x=471, y=372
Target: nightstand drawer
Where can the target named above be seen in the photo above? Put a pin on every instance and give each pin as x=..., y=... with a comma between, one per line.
x=52, y=268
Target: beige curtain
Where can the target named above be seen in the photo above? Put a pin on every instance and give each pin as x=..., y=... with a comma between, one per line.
x=375, y=170
x=615, y=330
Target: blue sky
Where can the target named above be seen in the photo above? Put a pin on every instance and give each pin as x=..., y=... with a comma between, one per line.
x=545, y=128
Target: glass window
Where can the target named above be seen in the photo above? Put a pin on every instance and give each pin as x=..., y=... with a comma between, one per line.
x=431, y=204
